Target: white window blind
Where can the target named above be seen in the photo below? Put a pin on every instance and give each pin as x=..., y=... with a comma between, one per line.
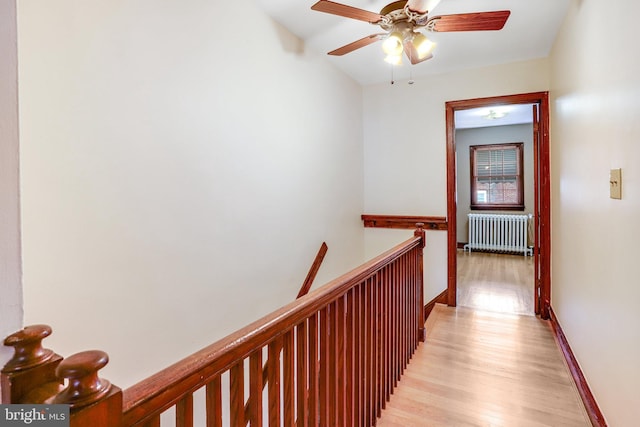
x=496, y=176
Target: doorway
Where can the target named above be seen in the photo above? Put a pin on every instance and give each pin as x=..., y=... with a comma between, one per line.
x=541, y=208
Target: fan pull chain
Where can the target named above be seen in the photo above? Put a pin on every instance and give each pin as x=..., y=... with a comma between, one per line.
x=411, y=66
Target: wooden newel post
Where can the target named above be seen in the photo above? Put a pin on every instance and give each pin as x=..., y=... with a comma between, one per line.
x=36, y=375
x=419, y=232
x=30, y=375
x=94, y=401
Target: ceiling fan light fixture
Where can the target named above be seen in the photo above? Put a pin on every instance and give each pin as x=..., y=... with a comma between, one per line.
x=392, y=45
x=493, y=114
x=422, y=44
x=394, y=59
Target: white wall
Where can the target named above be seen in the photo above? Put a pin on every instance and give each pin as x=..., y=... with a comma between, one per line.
x=483, y=136
x=405, y=149
x=10, y=260
x=179, y=173
x=595, y=96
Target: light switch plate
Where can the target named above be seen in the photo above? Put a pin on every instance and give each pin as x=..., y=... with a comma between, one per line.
x=615, y=182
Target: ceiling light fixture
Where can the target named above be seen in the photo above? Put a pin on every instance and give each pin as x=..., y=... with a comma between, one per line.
x=422, y=44
x=493, y=114
x=417, y=45
x=394, y=59
x=392, y=45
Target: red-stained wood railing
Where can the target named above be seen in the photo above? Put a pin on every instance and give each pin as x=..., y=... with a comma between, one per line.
x=313, y=271
x=332, y=357
x=406, y=222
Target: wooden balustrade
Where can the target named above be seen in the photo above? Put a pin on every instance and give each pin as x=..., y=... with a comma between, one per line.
x=330, y=358
x=406, y=222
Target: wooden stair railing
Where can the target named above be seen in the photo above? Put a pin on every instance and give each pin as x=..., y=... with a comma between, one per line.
x=333, y=358
x=313, y=271
x=406, y=222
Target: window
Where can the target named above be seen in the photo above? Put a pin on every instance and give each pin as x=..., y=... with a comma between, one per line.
x=496, y=176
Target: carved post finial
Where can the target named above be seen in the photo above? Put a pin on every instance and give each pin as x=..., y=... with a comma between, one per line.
x=28, y=350
x=85, y=387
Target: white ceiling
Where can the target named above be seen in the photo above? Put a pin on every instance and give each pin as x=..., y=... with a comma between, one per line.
x=528, y=34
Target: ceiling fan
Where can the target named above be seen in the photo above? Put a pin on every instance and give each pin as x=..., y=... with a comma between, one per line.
x=403, y=20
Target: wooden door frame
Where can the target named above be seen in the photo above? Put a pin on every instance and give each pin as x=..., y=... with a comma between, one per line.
x=543, y=188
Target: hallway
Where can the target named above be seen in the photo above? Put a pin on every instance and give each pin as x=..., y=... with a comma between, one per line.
x=480, y=368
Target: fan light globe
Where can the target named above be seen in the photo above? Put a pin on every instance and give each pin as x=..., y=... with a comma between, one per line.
x=423, y=45
x=394, y=59
x=392, y=45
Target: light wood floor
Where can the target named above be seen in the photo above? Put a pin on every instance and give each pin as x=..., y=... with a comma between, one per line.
x=495, y=282
x=482, y=368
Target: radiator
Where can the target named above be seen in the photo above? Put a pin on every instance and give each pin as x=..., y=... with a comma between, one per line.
x=499, y=233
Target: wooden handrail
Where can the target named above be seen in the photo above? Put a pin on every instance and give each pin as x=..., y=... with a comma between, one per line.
x=405, y=222
x=333, y=357
x=313, y=271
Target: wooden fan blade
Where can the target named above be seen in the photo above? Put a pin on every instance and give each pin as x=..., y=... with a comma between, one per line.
x=365, y=41
x=412, y=53
x=347, y=11
x=481, y=21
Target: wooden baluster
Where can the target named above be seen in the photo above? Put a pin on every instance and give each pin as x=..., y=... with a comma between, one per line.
x=302, y=375
x=411, y=306
x=384, y=277
x=30, y=375
x=273, y=369
x=333, y=364
x=368, y=352
x=395, y=312
x=184, y=411
x=314, y=368
x=341, y=361
x=389, y=334
x=400, y=307
x=420, y=232
x=349, y=356
x=214, y=402
x=357, y=365
x=254, y=415
x=93, y=400
x=288, y=379
x=323, y=385
x=404, y=311
x=236, y=385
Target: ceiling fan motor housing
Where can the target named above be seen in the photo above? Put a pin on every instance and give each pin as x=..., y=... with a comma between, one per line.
x=392, y=7
x=397, y=17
